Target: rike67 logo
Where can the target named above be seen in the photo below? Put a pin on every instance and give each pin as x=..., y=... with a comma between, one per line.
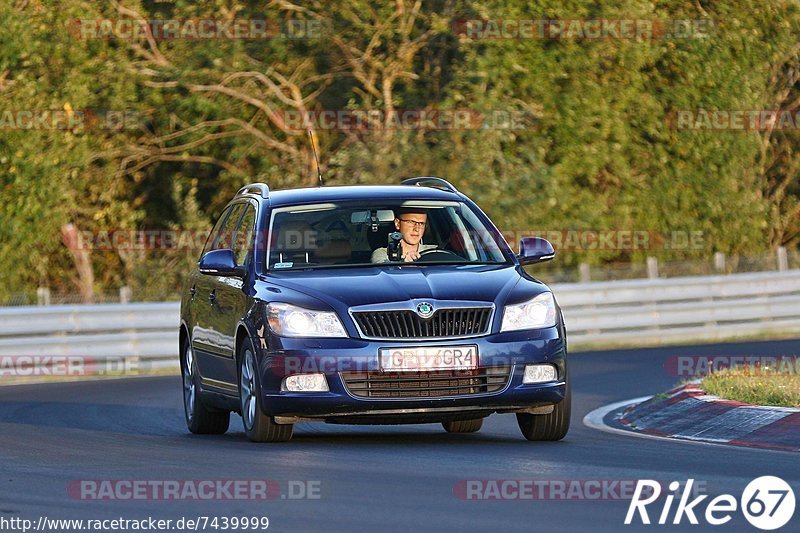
x=767, y=503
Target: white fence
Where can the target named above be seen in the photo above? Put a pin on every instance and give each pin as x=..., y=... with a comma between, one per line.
x=635, y=313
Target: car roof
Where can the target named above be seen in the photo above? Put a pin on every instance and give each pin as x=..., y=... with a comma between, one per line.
x=359, y=192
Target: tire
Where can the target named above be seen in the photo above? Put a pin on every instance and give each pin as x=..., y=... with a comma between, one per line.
x=257, y=426
x=199, y=419
x=548, y=427
x=463, y=426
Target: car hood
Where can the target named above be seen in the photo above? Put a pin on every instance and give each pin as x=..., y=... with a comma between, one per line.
x=351, y=287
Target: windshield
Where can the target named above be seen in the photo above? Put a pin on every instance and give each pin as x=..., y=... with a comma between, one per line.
x=367, y=234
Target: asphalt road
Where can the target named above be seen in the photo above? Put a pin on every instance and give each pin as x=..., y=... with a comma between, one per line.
x=371, y=478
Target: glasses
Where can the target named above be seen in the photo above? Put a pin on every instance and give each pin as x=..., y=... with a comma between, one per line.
x=417, y=225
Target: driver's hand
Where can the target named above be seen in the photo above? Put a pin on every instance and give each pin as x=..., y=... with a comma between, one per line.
x=411, y=256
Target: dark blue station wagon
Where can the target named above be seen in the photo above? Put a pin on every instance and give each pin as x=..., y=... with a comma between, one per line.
x=369, y=305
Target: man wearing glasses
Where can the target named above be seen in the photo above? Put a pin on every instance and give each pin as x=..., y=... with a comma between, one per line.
x=410, y=222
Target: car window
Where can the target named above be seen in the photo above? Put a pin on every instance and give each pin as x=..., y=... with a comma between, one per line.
x=243, y=237
x=225, y=237
x=350, y=234
x=214, y=234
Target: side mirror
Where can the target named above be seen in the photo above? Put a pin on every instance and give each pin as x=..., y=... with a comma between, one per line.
x=220, y=263
x=535, y=250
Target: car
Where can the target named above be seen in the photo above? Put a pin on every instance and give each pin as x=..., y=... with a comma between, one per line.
x=369, y=304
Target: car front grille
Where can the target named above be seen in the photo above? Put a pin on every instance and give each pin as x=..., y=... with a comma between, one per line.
x=435, y=384
x=445, y=323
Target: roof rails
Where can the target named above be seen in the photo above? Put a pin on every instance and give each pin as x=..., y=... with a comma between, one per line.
x=255, y=188
x=437, y=183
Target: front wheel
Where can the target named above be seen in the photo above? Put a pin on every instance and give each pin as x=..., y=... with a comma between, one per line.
x=257, y=426
x=199, y=418
x=553, y=426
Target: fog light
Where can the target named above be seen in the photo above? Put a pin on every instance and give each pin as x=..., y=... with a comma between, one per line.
x=305, y=383
x=539, y=373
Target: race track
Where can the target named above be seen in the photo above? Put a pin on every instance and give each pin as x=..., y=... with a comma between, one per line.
x=381, y=478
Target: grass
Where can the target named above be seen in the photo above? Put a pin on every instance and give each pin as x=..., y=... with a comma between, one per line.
x=755, y=385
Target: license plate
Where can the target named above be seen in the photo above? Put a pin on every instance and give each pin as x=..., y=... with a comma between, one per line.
x=423, y=359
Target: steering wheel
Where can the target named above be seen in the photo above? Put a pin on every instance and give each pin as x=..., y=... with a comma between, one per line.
x=441, y=255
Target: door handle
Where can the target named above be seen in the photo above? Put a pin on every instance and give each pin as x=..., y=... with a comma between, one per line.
x=212, y=296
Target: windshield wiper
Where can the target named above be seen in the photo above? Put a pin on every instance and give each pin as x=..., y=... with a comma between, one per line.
x=389, y=263
x=433, y=263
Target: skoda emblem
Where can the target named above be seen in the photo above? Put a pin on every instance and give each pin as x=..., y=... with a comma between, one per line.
x=424, y=310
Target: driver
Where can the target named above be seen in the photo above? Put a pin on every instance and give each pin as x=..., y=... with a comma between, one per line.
x=410, y=222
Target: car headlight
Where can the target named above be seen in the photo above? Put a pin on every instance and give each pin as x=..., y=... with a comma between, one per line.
x=540, y=373
x=291, y=321
x=539, y=312
x=305, y=383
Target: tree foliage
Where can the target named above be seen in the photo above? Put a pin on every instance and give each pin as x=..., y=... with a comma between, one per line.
x=596, y=146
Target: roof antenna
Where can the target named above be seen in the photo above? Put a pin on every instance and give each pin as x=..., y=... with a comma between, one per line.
x=319, y=173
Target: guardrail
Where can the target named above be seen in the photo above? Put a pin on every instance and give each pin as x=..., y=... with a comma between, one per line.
x=97, y=339
x=633, y=312
x=645, y=312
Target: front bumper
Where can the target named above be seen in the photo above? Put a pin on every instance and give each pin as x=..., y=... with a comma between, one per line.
x=333, y=357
